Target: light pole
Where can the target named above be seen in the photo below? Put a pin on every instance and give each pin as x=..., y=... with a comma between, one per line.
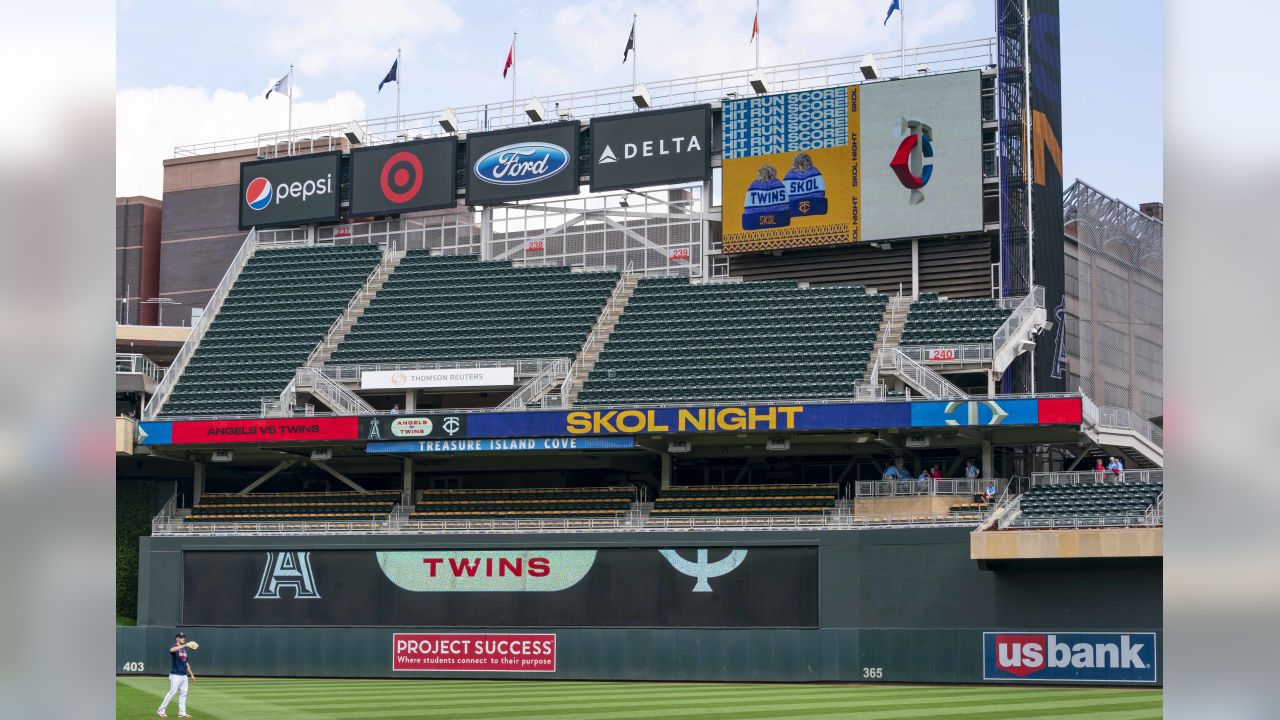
x=161, y=302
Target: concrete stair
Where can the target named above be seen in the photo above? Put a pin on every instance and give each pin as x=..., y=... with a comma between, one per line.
x=890, y=334
x=323, y=351
x=591, y=349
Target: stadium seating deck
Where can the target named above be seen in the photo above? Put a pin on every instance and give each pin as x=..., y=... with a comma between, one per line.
x=761, y=340
x=268, y=507
x=280, y=307
x=524, y=503
x=461, y=308
x=745, y=500
x=1089, y=500
x=933, y=321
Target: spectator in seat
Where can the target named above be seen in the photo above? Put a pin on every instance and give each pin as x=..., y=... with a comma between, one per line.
x=1099, y=470
x=891, y=472
x=922, y=482
x=1114, y=469
x=935, y=473
x=971, y=471
x=989, y=493
x=395, y=409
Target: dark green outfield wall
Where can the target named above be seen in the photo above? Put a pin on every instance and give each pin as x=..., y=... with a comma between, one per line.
x=907, y=602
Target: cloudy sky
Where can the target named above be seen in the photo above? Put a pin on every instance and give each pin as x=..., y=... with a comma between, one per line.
x=191, y=74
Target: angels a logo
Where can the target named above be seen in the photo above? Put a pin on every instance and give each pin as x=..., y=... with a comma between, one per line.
x=290, y=569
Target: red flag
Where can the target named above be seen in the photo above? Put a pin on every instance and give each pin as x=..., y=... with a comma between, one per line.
x=511, y=59
x=755, y=27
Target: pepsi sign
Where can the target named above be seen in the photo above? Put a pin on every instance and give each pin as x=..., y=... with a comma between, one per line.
x=290, y=191
x=404, y=177
x=1069, y=657
x=540, y=161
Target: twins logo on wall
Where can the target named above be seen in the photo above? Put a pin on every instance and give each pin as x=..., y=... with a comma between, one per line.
x=913, y=161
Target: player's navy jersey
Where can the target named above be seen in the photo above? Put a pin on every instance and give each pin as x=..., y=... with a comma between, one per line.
x=178, y=664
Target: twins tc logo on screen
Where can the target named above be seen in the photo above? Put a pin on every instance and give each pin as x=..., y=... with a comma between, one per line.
x=1066, y=657
x=913, y=161
x=773, y=203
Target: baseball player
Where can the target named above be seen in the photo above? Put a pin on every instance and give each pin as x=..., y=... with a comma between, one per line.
x=179, y=675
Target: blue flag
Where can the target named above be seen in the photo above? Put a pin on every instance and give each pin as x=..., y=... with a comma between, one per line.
x=391, y=74
x=892, y=6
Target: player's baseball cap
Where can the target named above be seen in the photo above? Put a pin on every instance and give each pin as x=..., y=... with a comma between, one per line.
x=181, y=634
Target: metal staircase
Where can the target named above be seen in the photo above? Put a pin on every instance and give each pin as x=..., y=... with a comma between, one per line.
x=341, y=399
x=1016, y=335
x=926, y=381
x=538, y=386
x=340, y=327
x=165, y=387
x=891, y=325
x=594, y=345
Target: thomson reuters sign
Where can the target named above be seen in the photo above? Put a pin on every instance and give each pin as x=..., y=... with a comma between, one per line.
x=441, y=378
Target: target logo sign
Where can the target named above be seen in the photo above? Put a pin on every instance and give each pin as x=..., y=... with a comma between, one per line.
x=404, y=177
x=401, y=177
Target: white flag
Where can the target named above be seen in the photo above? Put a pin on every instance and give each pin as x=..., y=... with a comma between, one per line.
x=281, y=86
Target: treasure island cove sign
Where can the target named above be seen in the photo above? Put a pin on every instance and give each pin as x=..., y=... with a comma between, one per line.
x=766, y=418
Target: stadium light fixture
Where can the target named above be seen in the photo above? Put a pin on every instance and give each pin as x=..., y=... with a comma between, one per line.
x=868, y=67
x=535, y=110
x=354, y=133
x=778, y=444
x=640, y=96
x=325, y=454
x=223, y=456
x=679, y=446
x=449, y=121
x=758, y=82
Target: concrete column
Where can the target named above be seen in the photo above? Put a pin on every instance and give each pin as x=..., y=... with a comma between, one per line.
x=486, y=233
x=406, y=481
x=988, y=460
x=410, y=401
x=991, y=383
x=197, y=483
x=915, y=269
x=666, y=470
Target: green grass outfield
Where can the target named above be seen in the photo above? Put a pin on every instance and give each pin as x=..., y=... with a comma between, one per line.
x=282, y=699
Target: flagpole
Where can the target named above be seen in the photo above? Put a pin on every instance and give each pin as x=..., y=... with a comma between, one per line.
x=757, y=35
x=635, y=50
x=398, y=71
x=902, y=37
x=290, y=108
x=513, y=63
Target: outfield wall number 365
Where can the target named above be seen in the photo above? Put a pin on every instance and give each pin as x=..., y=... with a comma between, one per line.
x=872, y=673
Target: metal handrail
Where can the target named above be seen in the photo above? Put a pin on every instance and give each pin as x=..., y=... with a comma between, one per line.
x=553, y=374
x=1125, y=419
x=910, y=487
x=138, y=363
x=1086, y=521
x=363, y=294
x=1091, y=477
x=935, y=386
x=1022, y=308
x=710, y=88
x=331, y=391
x=170, y=379
x=594, y=339
x=629, y=522
x=960, y=352
x=524, y=367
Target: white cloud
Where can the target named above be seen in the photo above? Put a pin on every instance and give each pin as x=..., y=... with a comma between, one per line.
x=324, y=35
x=151, y=121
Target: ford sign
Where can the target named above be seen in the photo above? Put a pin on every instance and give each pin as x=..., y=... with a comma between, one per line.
x=521, y=163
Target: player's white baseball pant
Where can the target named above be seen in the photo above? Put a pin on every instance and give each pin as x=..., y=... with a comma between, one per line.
x=177, y=686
